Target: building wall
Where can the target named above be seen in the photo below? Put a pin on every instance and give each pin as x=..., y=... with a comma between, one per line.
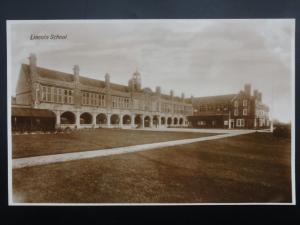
x=243, y=111
x=240, y=111
x=86, y=103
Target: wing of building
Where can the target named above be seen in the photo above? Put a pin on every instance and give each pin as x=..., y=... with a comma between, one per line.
x=240, y=110
x=81, y=102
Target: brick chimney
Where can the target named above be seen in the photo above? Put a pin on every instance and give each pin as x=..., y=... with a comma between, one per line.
x=32, y=66
x=32, y=60
x=255, y=93
x=76, y=73
x=158, y=90
x=107, y=80
x=171, y=93
x=182, y=96
x=259, y=97
x=247, y=89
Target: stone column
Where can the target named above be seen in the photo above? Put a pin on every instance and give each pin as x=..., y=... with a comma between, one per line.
x=108, y=119
x=132, y=120
x=77, y=119
x=143, y=122
x=94, y=119
x=57, y=122
x=159, y=121
x=151, y=121
x=121, y=121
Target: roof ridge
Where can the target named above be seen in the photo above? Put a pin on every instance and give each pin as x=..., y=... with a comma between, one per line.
x=214, y=96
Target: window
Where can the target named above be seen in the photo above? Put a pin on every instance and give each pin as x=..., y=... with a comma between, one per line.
x=119, y=102
x=245, y=112
x=201, y=123
x=48, y=95
x=44, y=93
x=245, y=102
x=94, y=99
x=236, y=103
x=60, y=99
x=65, y=96
x=236, y=112
x=57, y=95
x=240, y=123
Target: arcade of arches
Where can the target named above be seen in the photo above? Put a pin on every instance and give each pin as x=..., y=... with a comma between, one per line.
x=86, y=119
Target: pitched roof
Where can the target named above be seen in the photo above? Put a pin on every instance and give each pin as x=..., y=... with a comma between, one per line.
x=67, y=77
x=91, y=82
x=30, y=112
x=218, y=99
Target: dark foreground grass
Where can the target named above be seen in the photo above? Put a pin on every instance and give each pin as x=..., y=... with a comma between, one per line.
x=246, y=168
x=84, y=140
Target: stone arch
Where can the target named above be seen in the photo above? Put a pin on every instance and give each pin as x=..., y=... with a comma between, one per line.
x=114, y=119
x=67, y=118
x=86, y=118
x=181, y=121
x=138, y=120
x=175, y=120
x=126, y=119
x=155, y=121
x=101, y=119
x=163, y=121
x=147, y=121
x=169, y=121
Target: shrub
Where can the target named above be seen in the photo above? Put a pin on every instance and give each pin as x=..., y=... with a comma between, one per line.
x=59, y=130
x=282, y=131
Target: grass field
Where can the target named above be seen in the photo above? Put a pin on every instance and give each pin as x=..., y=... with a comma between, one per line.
x=84, y=140
x=245, y=168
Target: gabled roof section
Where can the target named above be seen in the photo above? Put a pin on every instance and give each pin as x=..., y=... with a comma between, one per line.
x=68, y=77
x=218, y=99
x=55, y=75
x=91, y=82
x=119, y=87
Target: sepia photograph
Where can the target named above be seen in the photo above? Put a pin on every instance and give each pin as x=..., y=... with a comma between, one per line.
x=151, y=112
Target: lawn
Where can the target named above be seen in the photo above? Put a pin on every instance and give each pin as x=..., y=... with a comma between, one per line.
x=84, y=140
x=246, y=168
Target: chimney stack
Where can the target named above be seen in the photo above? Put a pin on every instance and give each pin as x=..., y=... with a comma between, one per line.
x=171, y=93
x=32, y=60
x=182, y=96
x=76, y=70
x=32, y=67
x=259, y=97
x=255, y=93
x=107, y=80
x=76, y=73
x=247, y=89
x=158, y=90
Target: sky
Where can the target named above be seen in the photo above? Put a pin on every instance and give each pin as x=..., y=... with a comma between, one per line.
x=194, y=57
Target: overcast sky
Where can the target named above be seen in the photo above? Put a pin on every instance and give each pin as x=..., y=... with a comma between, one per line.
x=196, y=57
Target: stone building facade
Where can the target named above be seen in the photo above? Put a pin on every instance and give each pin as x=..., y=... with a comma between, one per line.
x=81, y=102
x=241, y=110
